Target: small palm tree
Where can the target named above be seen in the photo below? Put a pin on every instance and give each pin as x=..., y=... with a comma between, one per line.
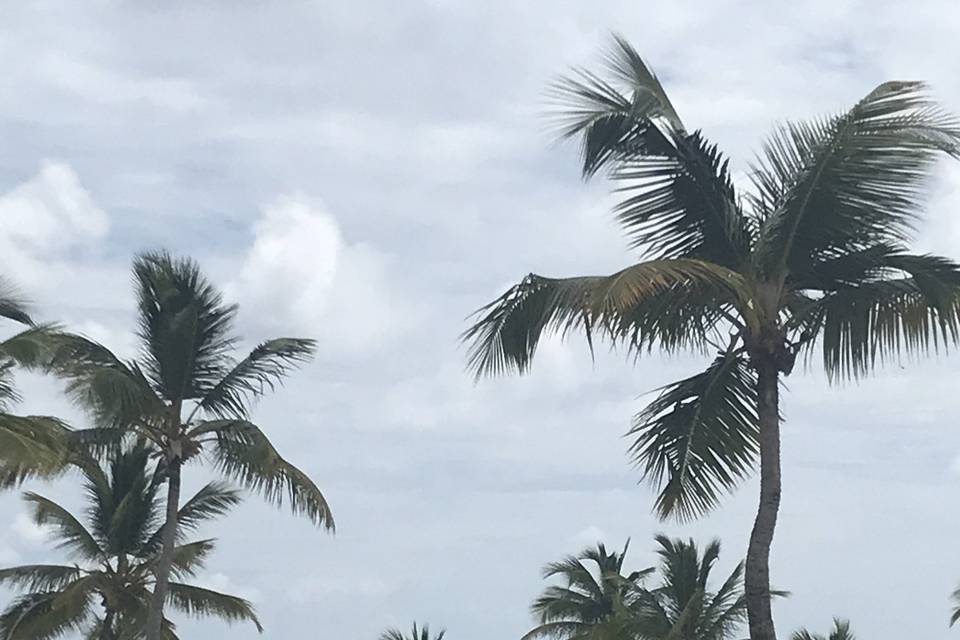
x=417, y=633
x=598, y=602
x=815, y=252
x=106, y=595
x=187, y=396
x=841, y=631
x=29, y=445
x=593, y=596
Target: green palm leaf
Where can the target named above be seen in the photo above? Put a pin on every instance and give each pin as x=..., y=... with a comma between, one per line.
x=675, y=302
x=69, y=532
x=851, y=180
x=39, y=577
x=243, y=452
x=260, y=371
x=199, y=602
x=698, y=438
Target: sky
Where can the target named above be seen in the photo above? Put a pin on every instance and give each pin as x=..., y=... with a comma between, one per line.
x=368, y=174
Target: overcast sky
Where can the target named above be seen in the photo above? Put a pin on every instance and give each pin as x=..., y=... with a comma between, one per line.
x=368, y=173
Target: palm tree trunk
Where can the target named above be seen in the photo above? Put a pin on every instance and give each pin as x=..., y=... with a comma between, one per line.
x=167, y=543
x=757, y=576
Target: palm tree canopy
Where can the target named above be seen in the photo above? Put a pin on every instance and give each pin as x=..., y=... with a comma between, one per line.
x=185, y=372
x=596, y=600
x=841, y=631
x=115, y=550
x=814, y=252
x=416, y=633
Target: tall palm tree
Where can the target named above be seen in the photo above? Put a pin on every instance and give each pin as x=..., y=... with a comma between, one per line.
x=815, y=252
x=841, y=631
x=188, y=396
x=417, y=633
x=106, y=594
x=598, y=602
x=29, y=445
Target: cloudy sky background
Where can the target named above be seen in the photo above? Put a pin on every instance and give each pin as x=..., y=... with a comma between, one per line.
x=368, y=173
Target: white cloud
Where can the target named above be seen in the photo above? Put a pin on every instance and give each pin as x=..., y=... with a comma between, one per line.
x=591, y=535
x=224, y=584
x=44, y=218
x=307, y=590
x=51, y=211
x=300, y=273
x=27, y=531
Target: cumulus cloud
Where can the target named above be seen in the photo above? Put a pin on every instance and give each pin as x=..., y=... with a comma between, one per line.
x=44, y=218
x=302, y=274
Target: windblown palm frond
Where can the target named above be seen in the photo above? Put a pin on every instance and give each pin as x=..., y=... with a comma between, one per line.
x=698, y=438
x=200, y=602
x=260, y=371
x=673, y=302
x=851, y=181
x=243, y=452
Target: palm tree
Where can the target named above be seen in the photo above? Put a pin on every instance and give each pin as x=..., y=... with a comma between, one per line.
x=187, y=396
x=421, y=633
x=814, y=253
x=594, y=595
x=598, y=602
x=841, y=631
x=116, y=555
x=29, y=445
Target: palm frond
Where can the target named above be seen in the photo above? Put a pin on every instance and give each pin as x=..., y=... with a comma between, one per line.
x=852, y=180
x=213, y=500
x=31, y=446
x=189, y=558
x=70, y=532
x=614, y=116
x=185, y=327
x=199, y=602
x=259, y=372
x=670, y=302
x=48, y=615
x=698, y=438
x=117, y=393
x=681, y=203
x=39, y=577
x=879, y=319
x=13, y=306
x=243, y=452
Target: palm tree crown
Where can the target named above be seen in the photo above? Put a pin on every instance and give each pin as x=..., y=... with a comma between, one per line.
x=187, y=395
x=416, y=633
x=814, y=252
x=841, y=631
x=596, y=601
x=106, y=595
